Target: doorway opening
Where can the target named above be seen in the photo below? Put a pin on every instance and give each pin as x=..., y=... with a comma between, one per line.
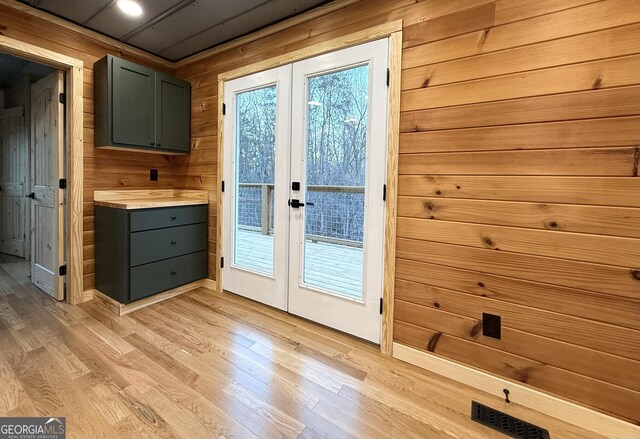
x=32, y=174
x=305, y=179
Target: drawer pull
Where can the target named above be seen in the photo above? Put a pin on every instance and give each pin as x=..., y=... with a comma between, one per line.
x=174, y=242
x=173, y=217
x=173, y=271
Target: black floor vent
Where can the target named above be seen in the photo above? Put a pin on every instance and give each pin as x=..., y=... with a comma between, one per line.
x=506, y=424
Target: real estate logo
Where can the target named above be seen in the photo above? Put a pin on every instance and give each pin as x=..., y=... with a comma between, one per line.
x=33, y=428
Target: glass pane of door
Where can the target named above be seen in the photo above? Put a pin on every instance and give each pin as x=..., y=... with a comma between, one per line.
x=337, y=117
x=255, y=171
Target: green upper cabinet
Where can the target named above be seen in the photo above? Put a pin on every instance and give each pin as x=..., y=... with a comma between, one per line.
x=133, y=99
x=139, y=108
x=173, y=111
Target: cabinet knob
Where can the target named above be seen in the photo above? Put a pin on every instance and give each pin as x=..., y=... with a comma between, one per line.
x=174, y=217
x=173, y=242
x=173, y=271
x=157, y=143
x=151, y=142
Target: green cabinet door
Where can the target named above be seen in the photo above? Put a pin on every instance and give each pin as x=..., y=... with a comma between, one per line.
x=173, y=113
x=133, y=94
x=140, y=108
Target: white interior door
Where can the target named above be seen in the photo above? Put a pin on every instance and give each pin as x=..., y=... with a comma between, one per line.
x=14, y=184
x=256, y=175
x=339, y=152
x=47, y=146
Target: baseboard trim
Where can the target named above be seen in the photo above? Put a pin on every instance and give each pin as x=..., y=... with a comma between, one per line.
x=518, y=393
x=122, y=309
x=88, y=295
x=210, y=284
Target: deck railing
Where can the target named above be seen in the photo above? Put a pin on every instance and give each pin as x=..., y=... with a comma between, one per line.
x=266, y=210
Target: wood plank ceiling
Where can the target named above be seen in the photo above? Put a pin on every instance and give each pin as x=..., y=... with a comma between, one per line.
x=175, y=29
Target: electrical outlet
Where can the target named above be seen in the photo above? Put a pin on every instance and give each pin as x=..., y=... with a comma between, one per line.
x=491, y=325
x=153, y=174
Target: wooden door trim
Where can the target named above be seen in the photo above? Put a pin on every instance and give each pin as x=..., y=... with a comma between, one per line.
x=74, y=70
x=393, y=31
x=393, y=150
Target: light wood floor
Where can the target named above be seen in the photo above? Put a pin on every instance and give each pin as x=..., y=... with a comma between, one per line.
x=208, y=365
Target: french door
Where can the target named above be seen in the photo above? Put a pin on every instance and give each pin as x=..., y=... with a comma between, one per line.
x=256, y=172
x=304, y=169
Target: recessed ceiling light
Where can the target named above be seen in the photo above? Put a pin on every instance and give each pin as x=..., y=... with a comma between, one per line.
x=129, y=7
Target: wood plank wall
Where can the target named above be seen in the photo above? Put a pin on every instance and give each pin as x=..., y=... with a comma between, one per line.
x=518, y=183
x=102, y=169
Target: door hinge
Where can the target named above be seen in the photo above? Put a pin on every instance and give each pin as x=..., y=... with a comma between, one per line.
x=388, y=76
x=62, y=98
x=381, y=304
x=222, y=262
x=62, y=183
x=224, y=109
x=222, y=186
x=62, y=270
x=384, y=192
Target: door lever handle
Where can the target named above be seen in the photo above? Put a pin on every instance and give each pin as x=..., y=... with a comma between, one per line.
x=295, y=203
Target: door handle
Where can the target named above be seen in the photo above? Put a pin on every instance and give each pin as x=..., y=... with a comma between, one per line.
x=31, y=195
x=297, y=204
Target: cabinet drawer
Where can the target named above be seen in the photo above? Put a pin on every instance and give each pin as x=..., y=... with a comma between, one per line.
x=158, y=218
x=164, y=275
x=158, y=244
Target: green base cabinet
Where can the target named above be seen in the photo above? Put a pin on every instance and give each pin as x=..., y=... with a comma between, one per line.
x=139, y=108
x=143, y=252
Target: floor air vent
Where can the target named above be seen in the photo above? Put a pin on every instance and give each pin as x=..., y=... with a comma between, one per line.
x=506, y=424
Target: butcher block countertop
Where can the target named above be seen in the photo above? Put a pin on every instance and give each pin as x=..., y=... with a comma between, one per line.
x=147, y=199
